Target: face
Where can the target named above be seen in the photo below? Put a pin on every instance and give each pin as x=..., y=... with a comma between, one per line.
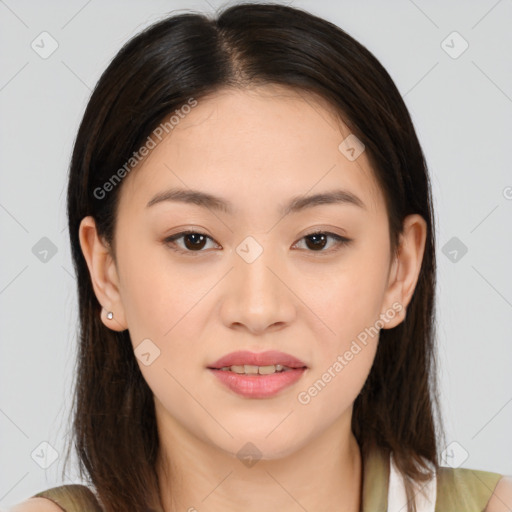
x=252, y=276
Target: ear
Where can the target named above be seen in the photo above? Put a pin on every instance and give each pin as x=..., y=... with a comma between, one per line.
x=405, y=268
x=103, y=271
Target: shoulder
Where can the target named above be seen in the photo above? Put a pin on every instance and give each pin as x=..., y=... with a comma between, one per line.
x=67, y=498
x=36, y=505
x=467, y=489
x=501, y=498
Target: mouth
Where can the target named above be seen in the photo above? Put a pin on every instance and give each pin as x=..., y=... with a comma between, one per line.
x=258, y=375
x=248, y=369
x=235, y=361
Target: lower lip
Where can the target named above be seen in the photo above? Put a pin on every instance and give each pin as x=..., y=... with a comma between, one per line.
x=258, y=386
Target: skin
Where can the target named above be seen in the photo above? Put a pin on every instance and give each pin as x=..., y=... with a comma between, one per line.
x=257, y=148
x=300, y=302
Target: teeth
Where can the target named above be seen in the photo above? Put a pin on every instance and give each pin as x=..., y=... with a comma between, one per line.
x=253, y=370
x=266, y=370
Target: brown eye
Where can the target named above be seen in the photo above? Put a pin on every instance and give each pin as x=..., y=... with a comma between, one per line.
x=318, y=240
x=193, y=241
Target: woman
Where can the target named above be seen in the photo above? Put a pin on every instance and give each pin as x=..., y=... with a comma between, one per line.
x=251, y=225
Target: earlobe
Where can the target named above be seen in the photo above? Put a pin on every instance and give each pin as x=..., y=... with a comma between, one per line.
x=406, y=267
x=103, y=273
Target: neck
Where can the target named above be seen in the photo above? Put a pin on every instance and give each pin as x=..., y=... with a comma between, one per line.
x=325, y=474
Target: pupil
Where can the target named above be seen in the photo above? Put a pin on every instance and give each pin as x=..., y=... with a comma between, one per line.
x=198, y=238
x=316, y=237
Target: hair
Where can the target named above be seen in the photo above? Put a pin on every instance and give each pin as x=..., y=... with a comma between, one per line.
x=190, y=55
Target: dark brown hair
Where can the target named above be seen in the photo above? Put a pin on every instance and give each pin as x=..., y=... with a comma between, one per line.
x=190, y=55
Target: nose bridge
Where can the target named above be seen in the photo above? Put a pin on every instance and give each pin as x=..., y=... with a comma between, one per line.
x=257, y=296
x=255, y=259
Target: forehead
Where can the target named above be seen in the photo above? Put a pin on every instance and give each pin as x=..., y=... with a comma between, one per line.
x=262, y=144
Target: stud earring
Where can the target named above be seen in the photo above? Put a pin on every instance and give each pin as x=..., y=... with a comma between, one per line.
x=110, y=315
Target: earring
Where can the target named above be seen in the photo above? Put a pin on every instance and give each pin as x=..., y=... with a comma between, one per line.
x=110, y=315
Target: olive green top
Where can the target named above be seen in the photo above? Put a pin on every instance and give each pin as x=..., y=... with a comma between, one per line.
x=458, y=489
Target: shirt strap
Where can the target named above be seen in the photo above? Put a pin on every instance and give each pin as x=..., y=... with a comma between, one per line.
x=397, y=500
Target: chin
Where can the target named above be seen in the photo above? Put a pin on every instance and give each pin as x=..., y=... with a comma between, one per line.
x=262, y=446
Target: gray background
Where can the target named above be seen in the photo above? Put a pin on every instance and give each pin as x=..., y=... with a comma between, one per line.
x=461, y=107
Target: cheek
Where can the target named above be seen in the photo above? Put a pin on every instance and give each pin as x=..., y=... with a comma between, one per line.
x=157, y=296
x=165, y=311
x=333, y=386
x=349, y=306
x=350, y=300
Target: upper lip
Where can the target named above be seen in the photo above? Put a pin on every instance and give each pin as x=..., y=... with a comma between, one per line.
x=268, y=358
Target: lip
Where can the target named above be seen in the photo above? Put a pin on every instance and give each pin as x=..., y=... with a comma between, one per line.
x=271, y=357
x=258, y=386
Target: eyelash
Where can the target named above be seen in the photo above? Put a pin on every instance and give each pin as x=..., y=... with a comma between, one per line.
x=170, y=241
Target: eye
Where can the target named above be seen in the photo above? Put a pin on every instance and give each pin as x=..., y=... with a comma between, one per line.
x=318, y=240
x=195, y=241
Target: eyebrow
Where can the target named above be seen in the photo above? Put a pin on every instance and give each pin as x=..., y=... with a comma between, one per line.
x=296, y=204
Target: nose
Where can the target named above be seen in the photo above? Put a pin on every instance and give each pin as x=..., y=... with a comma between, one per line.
x=258, y=294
